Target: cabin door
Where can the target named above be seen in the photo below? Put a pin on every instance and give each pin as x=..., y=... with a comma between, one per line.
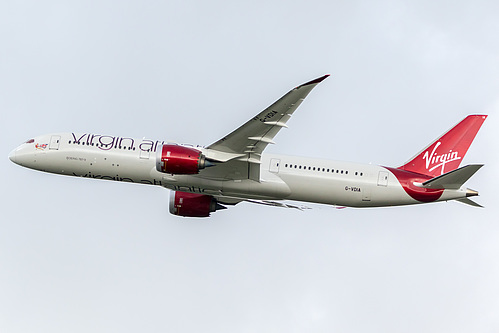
x=274, y=165
x=54, y=142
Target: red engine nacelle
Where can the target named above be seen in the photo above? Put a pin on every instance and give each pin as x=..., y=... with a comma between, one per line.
x=193, y=205
x=179, y=160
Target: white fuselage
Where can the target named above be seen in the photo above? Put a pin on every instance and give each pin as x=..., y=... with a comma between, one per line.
x=281, y=177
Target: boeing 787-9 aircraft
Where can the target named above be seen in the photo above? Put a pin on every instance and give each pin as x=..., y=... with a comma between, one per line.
x=205, y=179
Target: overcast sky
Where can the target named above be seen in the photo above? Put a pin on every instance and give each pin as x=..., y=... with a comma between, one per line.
x=79, y=255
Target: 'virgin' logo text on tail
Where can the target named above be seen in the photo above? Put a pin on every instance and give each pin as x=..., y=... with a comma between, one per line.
x=441, y=160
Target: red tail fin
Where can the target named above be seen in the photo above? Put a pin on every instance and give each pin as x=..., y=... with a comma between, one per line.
x=446, y=153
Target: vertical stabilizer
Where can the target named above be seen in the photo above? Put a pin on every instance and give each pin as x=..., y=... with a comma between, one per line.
x=446, y=153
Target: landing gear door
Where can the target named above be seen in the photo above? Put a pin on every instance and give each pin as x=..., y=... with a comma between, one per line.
x=54, y=142
x=274, y=165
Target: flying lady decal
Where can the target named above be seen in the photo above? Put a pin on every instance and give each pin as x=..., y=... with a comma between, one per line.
x=41, y=146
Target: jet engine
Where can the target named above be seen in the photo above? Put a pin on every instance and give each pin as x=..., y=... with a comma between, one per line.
x=180, y=160
x=192, y=204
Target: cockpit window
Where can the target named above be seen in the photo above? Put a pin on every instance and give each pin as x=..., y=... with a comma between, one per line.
x=30, y=141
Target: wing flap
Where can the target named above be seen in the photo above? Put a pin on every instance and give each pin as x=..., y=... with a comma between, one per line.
x=276, y=204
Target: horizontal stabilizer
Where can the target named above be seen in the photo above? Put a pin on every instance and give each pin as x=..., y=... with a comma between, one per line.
x=454, y=179
x=469, y=202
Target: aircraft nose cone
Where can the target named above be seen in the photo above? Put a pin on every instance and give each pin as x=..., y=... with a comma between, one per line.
x=12, y=156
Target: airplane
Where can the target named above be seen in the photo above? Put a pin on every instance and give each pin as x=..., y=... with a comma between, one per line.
x=205, y=179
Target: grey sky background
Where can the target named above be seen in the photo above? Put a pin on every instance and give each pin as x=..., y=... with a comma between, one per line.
x=78, y=255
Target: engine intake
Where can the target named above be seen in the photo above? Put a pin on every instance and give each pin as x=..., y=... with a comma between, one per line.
x=193, y=205
x=180, y=160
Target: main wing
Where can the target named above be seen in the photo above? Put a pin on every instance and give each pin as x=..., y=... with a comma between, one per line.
x=241, y=150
